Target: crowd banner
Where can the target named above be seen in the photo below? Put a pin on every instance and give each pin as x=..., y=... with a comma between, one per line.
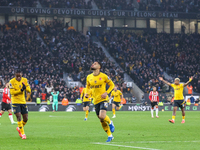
x=74, y=83
x=100, y=13
x=127, y=107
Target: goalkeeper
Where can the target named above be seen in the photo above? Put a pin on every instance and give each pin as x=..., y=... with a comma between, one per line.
x=55, y=100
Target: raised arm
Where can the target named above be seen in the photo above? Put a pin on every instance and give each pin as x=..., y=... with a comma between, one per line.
x=166, y=82
x=190, y=79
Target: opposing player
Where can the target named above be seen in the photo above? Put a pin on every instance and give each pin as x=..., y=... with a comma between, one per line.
x=55, y=100
x=154, y=98
x=86, y=102
x=18, y=86
x=178, y=97
x=96, y=82
x=5, y=104
x=117, y=94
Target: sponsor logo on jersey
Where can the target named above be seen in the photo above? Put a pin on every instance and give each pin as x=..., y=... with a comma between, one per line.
x=96, y=86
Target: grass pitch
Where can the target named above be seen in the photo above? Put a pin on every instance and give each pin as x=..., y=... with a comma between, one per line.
x=134, y=130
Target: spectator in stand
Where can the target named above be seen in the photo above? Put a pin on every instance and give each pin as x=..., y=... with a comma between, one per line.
x=43, y=97
x=192, y=99
x=190, y=88
x=197, y=101
x=133, y=100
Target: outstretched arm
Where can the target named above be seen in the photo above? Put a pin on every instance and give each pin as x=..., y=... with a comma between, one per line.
x=190, y=79
x=166, y=82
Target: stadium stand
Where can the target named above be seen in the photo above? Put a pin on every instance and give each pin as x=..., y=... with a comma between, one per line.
x=65, y=49
x=76, y=4
x=115, y=4
x=77, y=50
x=177, y=54
x=18, y=3
x=140, y=56
x=21, y=48
x=170, y=5
x=129, y=51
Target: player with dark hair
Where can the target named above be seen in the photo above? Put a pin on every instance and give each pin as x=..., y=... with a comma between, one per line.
x=96, y=82
x=154, y=98
x=178, y=97
x=18, y=86
x=5, y=104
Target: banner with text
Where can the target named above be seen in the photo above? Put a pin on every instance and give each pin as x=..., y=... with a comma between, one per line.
x=101, y=13
x=127, y=107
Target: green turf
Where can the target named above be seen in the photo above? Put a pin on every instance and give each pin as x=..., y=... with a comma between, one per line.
x=69, y=131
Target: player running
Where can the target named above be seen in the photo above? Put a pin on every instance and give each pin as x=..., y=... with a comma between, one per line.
x=154, y=98
x=86, y=102
x=5, y=104
x=97, y=81
x=117, y=94
x=178, y=97
x=18, y=86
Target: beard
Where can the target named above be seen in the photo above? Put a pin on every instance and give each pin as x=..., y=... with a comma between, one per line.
x=92, y=68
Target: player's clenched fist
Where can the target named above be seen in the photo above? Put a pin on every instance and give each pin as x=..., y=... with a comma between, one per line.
x=104, y=95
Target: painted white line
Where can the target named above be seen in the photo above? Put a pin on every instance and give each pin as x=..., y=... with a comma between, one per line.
x=125, y=146
x=159, y=142
x=56, y=116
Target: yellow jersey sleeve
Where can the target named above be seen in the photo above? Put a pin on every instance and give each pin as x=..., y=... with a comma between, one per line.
x=28, y=88
x=110, y=83
x=87, y=85
x=120, y=93
x=172, y=85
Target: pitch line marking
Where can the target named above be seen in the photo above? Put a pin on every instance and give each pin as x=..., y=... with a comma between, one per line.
x=158, y=142
x=125, y=146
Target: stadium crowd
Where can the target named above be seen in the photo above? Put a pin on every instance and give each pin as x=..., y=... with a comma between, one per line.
x=115, y=4
x=77, y=52
x=170, y=5
x=141, y=54
x=43, y=63
x=74, y=4
x=19, y=3
x=178, y=55
x=21, y=48
x=129, y=51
